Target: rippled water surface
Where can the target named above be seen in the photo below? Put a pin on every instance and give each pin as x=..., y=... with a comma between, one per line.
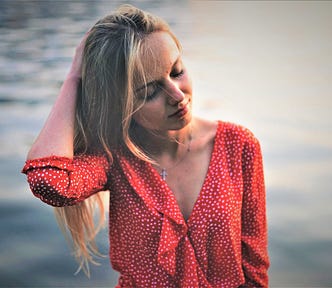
x=266, y=65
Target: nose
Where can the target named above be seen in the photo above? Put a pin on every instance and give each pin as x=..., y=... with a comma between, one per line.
x=174, y=92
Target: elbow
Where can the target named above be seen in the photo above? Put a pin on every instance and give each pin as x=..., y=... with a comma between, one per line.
x=52, y=188
x=51, y=195
x=53, y=198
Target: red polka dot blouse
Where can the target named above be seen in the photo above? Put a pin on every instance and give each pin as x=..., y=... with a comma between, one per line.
x=222, y=244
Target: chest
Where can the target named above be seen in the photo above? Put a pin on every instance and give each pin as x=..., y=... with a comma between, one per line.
x=187, y=179
x=202, y=186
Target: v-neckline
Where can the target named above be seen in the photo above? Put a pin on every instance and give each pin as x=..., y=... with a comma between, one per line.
x=200, y=194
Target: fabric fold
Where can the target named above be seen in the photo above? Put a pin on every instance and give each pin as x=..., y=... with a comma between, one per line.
x=170, y=237
x=174, y=246
x=174, y=227
x=142, y=178
x=63, y=163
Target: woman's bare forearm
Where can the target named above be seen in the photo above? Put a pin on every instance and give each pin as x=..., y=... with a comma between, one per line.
x=57, y=135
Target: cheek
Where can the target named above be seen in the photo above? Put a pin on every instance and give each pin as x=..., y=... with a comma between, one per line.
x=139, y=117
x=148, y=116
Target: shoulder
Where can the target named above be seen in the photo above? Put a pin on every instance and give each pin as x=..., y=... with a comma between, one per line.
x=234, y=139
x=204, y=132
x=223, y=135
x=233, y=132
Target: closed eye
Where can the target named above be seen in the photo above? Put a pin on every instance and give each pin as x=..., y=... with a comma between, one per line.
x=175, y=74
x=152, y=92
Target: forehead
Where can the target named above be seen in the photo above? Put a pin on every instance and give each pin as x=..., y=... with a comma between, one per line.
x=159, y=53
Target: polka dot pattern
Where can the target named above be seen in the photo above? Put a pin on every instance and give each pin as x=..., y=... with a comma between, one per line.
x=60, y=181
x=222, y=244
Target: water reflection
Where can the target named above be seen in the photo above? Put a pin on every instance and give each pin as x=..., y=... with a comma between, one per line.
x=263, y=64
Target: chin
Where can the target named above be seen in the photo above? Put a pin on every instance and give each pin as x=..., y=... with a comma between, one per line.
x=182, y=123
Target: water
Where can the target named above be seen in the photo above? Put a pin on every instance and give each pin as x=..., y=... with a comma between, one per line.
x=266, y=65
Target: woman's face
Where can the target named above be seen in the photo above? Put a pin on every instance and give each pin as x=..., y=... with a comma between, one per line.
x=168, y=104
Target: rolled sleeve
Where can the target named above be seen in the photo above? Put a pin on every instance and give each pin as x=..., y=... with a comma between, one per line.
x=61, y=181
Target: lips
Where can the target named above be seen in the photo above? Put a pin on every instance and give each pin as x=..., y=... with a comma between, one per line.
x=180, y=112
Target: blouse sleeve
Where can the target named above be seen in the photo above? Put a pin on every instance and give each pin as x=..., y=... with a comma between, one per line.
x=61, y=181
x=255, y=260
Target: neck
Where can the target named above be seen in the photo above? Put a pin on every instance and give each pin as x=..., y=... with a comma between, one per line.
x=167, y=149
x=169, y=144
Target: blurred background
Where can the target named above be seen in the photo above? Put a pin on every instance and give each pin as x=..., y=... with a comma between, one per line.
x=266, y=65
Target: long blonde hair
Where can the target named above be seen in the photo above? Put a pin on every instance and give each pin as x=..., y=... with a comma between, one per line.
x=106, y=101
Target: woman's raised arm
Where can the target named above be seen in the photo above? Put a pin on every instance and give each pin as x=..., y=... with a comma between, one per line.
x=57, y=135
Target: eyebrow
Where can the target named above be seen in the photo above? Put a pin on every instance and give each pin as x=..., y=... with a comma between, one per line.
x=154, y=81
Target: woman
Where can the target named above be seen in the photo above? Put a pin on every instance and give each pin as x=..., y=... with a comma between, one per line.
x=187, y=199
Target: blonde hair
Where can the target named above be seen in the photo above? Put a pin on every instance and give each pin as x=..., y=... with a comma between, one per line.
x=106, y=101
